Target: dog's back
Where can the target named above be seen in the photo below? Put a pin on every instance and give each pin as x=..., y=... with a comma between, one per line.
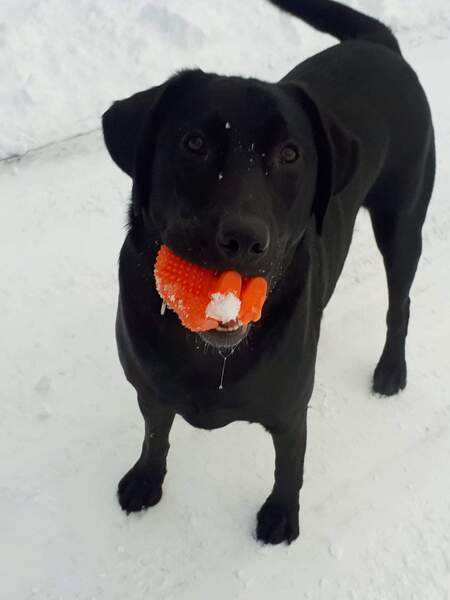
x=366, y=82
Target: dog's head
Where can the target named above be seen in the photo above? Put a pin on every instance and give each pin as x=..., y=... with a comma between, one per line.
x=228, y=171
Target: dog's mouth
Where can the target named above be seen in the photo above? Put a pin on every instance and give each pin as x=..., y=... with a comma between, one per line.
x=226, y=335
x=219, y=306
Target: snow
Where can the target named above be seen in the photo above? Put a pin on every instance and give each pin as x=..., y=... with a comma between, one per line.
x=375, y=507
x=223, y=307
x=62, y=63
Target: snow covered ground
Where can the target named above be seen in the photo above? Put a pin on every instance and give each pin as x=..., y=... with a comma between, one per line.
x=63, y=62
x=375, y=508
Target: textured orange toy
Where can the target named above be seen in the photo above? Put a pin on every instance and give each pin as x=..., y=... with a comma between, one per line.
x=205, y=299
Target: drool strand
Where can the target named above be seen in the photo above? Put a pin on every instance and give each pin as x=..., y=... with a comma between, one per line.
x=225, y=357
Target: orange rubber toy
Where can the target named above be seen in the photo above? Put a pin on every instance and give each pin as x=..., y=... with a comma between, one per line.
x=205, y=299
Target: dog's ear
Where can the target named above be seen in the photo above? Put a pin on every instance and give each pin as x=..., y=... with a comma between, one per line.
x=337, y=154
x=123, y=123
x=130, y=128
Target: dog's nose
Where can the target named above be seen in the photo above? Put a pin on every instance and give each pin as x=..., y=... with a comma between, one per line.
x=243, y=239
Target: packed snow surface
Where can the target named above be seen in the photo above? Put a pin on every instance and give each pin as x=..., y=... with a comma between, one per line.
x=375, y=507
x=62, y=63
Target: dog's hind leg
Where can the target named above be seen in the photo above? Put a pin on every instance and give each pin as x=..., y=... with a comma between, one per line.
x=398, y=233
x=401, y=246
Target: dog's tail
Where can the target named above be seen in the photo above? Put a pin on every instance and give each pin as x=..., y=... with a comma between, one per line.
x=340, y=21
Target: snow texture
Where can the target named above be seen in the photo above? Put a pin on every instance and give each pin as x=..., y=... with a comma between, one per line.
x=375, y=507
x=223, y=307
x=62, y=63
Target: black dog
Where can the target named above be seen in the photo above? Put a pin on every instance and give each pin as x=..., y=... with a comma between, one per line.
x=266, y=179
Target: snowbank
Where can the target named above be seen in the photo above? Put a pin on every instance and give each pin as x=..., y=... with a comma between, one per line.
x=62, y=63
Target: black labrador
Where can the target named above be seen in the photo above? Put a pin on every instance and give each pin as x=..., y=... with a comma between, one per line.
x=266, y=179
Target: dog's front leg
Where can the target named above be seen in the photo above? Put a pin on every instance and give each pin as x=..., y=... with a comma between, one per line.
x=141, y=487
x=277, y=520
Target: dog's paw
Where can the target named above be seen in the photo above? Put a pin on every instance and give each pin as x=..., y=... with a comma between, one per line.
x=389, y=378
x=137, y=490
x=277, y=523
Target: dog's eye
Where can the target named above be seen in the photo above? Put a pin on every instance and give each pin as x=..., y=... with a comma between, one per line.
x=195, y=143
x=289, y=154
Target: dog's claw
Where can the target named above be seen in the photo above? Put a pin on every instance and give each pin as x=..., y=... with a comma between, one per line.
x=277, y=523
x=137, y=491
x=389, y=379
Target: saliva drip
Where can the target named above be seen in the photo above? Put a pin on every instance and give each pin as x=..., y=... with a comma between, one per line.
x=225, y=357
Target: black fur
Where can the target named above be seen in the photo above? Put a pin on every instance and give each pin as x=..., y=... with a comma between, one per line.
x=358, y=125
x=338, y=20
